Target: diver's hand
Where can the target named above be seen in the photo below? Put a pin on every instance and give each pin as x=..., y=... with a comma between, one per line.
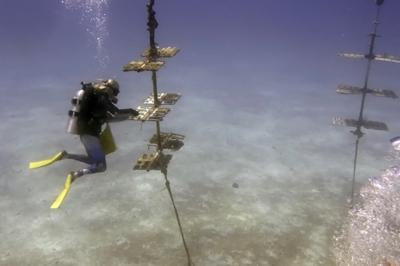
x=133, y=112
x=128, y=111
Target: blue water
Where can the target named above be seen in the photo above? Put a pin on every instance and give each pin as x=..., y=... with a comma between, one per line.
x=263, y=177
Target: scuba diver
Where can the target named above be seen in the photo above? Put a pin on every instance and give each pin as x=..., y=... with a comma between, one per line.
x=92, y=107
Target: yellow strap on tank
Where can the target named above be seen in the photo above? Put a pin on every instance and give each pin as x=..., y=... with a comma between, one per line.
x=33, y=165
x=60, y=198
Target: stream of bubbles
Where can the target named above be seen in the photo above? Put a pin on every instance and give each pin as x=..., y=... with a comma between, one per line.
x=94, y=17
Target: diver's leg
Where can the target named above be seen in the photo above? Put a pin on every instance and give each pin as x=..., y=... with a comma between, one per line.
x=89, y=142
x=77, y=157
x=95, y=151
x=96, y=155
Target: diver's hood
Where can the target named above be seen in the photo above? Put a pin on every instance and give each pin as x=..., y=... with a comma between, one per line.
x=108, y=86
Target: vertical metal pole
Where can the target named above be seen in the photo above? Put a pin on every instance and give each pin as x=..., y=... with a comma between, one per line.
x=358, y=132
x=370, y=57
x=152, y=25
x=156, y=104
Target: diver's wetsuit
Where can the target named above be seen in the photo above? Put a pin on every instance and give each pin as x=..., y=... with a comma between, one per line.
x=96, y=107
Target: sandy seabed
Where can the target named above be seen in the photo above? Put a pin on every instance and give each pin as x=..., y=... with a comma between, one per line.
x=289, y=200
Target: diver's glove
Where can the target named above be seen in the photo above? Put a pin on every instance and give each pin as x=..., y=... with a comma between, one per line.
x=122, y=114
x=133, y=112
x=128, y=111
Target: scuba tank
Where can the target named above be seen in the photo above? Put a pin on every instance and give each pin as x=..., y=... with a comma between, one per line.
x=72, y=126
x=109, y=87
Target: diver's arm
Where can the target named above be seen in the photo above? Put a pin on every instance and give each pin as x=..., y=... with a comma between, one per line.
x=111, y=108
x=124, y=114
x=121, y=114
x=114, y=114
x=128, y=111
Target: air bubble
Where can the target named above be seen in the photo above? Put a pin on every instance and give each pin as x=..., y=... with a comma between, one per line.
x=94, y=17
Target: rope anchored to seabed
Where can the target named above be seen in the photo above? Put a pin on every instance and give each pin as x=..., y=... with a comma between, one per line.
x=167, y=185
x=154, y=110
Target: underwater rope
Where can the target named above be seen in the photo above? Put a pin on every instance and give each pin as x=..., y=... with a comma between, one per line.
x=354, y=170
x=167, y=185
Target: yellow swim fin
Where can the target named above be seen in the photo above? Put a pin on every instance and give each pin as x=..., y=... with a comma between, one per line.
x=58, y=156
x=60, y=198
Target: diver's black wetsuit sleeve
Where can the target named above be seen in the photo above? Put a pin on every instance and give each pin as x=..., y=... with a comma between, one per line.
x=116, y=111
x=128, y=111
x=117, y=114
x=122, y=114
x=113, y=109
